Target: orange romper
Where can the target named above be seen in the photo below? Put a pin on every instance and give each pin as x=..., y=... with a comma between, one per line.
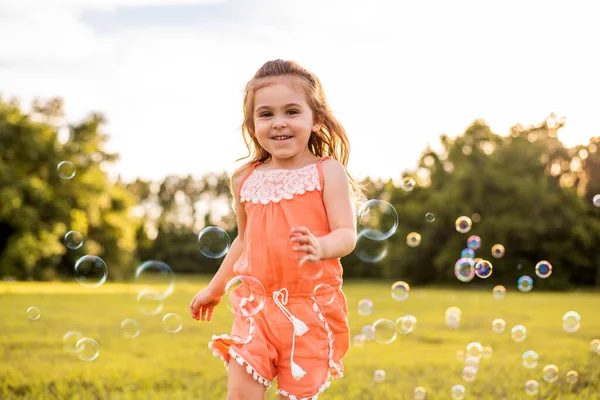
x=296, y=336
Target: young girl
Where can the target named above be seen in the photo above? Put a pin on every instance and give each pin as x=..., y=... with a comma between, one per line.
x=293, y=202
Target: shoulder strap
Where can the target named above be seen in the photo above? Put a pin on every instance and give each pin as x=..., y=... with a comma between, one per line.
x=320, y=169
x=250, y=170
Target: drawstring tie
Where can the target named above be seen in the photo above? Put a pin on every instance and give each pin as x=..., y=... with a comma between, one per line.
x=281, y=298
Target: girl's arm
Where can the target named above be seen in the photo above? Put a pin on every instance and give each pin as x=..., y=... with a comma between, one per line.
x=225, y=272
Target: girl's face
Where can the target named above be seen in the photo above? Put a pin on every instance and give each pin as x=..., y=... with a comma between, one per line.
x=283, y=121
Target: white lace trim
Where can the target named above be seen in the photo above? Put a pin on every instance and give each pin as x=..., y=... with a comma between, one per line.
x=278, y=184
x=332, y=364
x=240, y=360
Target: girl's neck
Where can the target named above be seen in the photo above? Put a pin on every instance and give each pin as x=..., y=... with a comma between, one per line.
x=288, y=164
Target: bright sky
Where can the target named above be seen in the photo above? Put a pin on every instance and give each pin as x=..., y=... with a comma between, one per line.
x=169, y=74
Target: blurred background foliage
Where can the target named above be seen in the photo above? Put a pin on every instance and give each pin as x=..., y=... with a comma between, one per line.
x=526, y=191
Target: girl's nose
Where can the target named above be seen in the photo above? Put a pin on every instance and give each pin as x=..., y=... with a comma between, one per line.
x=279, y=124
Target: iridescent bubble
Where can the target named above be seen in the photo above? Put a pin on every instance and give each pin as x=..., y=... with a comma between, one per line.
x=518, y=333
x=368, y=250
x=70, y=340
x=472, y=362
x=572, y=377
x=498, y=251
x=474, y=349
x=400, y=290
x=385, y=331
x=365, y=307
x=594, y=345
x=488, y=351
x=408, y=184
x=453, y=317
x=377, y=219
x=413, y=239
x=543, y=269
x=469, y=374
x=66, y=169
x=571, y=321
x=499, y=292
x=130, y=328
x=33, y=313
x=245, y=296
x=458, y=392
x=596, y=200
x=73, y=240
x=530, y=359
x=368, y=331
x=525, y=283
x=474, y=242
x=379, y=376
x=406, y=324
x=150, y=302
x=172, y=322
x=359, y=340
x=463, y=224
x=420, y=393
x=157, y=276
x=324, y=294
x=498, y=325
x=550, y=373
x=429, y=217
x=464, y=270
x=87, y=349
x=90, y=271
x=532, y=387
x=467, y=253
x=483, y=269
x=213, y=242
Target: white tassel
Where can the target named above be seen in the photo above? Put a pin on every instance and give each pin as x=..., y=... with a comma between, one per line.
x=300, y=327
x=297, y=371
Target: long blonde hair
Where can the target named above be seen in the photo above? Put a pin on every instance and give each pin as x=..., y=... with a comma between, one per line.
x=330, y=140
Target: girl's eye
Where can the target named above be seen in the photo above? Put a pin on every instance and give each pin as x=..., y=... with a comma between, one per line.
x=265, y=114
x=293, y=111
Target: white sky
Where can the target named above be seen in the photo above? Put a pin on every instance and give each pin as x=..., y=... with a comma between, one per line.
x=396, y=73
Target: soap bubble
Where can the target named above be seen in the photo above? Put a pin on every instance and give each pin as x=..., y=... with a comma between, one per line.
x=543, y=269
x=66, y=169
x=572, y=377
x=33, y=313
x=464, y=270
x=213, y=242
x=90, y=271
x=70, y=340
x=156, y=276
x=378, y=219
x=400, y=290
x=365, y=307
x=385, y=331
x=499, y=292
x=413, y=239
x=518, y=333
x=87, y=349
x=571, y=321
x=498, y=325
x=458, y=392
x=172, y=322
x=463, y=224
x=532, y=387
x=550, y=373
x=245, y=295
x=530, y=359
x=429, y=217
x=525, y=284
x=379, y=376
x=130, y=328
x=73, y=240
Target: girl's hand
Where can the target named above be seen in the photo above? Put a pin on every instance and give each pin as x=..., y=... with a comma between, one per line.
x=203, y=304
x=305, y=242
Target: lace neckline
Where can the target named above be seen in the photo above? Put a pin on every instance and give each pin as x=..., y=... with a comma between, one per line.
x=279, y=170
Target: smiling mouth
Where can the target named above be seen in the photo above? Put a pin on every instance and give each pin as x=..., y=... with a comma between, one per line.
x=282, y=137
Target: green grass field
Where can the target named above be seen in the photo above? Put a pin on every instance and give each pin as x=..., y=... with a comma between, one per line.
x=161, y=365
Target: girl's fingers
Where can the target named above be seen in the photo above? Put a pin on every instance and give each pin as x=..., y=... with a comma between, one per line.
x=210, y=313
x=306, y=249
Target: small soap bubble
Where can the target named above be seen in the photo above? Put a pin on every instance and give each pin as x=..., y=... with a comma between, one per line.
x=33, y=313
x=359, y=340
x=245, y=296
x=413, y=239
x=571, y=321
x=408, y=184
x=483, y=269
x=430, y=217
x=525, y=283
x=377, y=219
x=172, y=322
x=90, y=271
x=324, y=294
x=420, y=393
x=469, y=374
x=149, y=302
x=385, y=331
x=474, y=242
x=572, y=377
x=498, y=251
x=532, y=387
x=406, y=324
x=498, y=325
x=550, y=373
x=595, y=345
x=379, y=376
x=543, y=269
x=70, y=340
x=467, y=253
x=368, y=331
x=530, y=359
x=400, y=290
x=596, y=200
x=518, y=333
x=458, y=392
x=474, y=349
x=365, y=307
x=66, y=169
x=73, y=240
x=464, y=269
x=87, y=349
x=499, y=292
x=369, y=250
x=471, y=361
x=463, y=224
x=488, y=351
x=130, y=328
x=156, y=276
x=213, y=242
